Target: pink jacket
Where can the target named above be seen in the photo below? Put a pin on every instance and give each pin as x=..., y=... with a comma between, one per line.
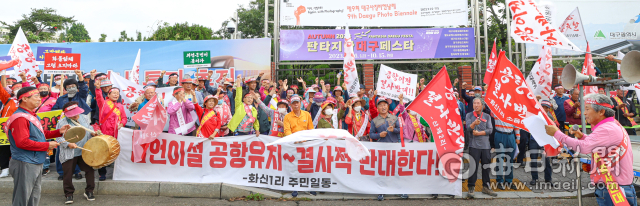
x=47, y=104
x=605, y=134
x=172, y=110
x=408, y=130
x=109, y=124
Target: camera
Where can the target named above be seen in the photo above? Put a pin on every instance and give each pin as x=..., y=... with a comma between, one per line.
x=231, y=29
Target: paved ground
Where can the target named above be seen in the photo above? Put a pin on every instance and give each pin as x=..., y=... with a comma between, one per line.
x=5, y=199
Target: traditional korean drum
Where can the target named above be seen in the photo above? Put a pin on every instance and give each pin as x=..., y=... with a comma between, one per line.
x=75, y=134
x=104, y=151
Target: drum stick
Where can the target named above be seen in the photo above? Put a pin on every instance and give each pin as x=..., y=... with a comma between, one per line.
x=78, y=147
x=77, y=123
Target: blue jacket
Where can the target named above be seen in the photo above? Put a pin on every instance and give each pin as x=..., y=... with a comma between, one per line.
x=32, y=157
x=463, y=113
x=379, y=125
x=81, y=98
x=560, y=114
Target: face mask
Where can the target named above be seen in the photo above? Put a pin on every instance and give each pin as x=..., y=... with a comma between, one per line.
x=328, y=112
x=413, y=113
x=59, y=82
x=357, y=108
x=282, y=110
x=44, y=93
x=220, y=102
x=72, y=92
x=15, y=92
x=478, y=95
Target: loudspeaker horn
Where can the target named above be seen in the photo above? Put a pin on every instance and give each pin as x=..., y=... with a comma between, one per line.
x=570, y=77
x=630, y=67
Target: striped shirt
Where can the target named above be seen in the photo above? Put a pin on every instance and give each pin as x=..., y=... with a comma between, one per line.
x=65, y=153
x=507, y=128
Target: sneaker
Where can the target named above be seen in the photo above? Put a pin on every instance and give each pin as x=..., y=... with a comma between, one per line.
x=489, y=192
x=60, y=177
x=45, y=172
x=89, y=196
x=380, y=197
x=533, y=182
x=293, y=194
x=470, y=194
x=69, y=200
x=501, y=186
x=404, y=196
x=5, y=172
x=313, y=193
x=102, y=178
x=78, y=176
x=514, y=187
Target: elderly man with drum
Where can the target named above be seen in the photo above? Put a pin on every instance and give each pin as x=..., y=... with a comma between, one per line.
x=70, y=155
x=28, y=147
x=610, y=148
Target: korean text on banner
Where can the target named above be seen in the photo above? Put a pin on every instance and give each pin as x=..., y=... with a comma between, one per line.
x=540, y=77
x=310, y=166
x=49, y=121
x=588, y=68
x=43, y=50
x=350, y=72
x=438, y=106
x=21, y=50
x=397, y=13
x=134, y=75
x=195, y=59
x=491, y=64
x=416, y=43
x=572, y=26
x=151, y=118
x=61, y=63
x=530, y=26
x=391, y=83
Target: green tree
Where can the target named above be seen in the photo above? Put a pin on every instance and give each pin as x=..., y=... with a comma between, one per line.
x=39, y=25
x=139, y=38
x=250, y=21
x=181, y=31
x=124, y=37
x=102, y=37
x=77, y=33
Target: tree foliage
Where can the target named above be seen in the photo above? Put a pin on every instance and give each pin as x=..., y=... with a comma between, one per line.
x=77, y=33
x=103, y=37
x=181, y=31
x=124, y=37
x=39, y=25
x=250, y=21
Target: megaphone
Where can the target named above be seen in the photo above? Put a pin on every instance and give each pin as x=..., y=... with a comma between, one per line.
x=570, y=77
x=630, y=67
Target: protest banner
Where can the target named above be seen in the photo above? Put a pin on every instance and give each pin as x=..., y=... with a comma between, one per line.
x=134, y=75
x=421, y=43
x=195, y=59
x=439, y=107
x=130, y=91
x=572, y=26
x=49, y=120
x=322, y=166
x=151, y=118
x=540, y=77
x=21, y=50
x=8, y=58
x=588, y=68
x=61, y=63
x=44, y=50
x=391, y=83
x=530, y=26
x=350, y=72
x=218, y=77
x=491, y=64
x=397, y=13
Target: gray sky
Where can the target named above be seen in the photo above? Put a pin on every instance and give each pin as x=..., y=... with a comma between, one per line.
x=113, y=16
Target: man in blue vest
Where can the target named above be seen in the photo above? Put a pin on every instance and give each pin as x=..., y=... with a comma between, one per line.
x=560, y=98
x=28, y=147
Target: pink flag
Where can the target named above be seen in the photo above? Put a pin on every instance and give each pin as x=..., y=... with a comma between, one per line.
x=588, y=68
x=151, y=119
x=491, y=64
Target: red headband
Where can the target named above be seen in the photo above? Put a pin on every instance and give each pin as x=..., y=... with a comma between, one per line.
x=558, y=87
x=30, y=93
x=112, y=88
x=178, y=90
x=592, y=101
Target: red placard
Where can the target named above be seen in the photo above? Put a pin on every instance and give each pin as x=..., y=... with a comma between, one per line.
x=60, y=63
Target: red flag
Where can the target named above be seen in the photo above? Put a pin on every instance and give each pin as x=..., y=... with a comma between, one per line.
x=151, y=119
x=509, y=97
x=588, y=68
x=5, y=65
x=438, y=106
x=491, y=64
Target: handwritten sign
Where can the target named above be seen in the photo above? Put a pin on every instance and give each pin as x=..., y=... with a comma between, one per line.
x=392, y=83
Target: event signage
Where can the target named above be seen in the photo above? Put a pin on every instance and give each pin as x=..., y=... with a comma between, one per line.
x=49, y=120
x=195, y=59
x=423, y=43
x=392, y=83
x=43, y=50
x=310, y=166
x=61, y=63
x=396, y=13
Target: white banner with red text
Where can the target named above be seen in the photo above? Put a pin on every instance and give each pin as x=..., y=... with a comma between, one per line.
x=321, y=165
x=392, y=83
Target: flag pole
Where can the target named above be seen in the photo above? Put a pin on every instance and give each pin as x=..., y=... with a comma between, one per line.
x=584, y=131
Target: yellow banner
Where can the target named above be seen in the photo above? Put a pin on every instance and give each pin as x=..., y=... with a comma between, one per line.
x=49, y=121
